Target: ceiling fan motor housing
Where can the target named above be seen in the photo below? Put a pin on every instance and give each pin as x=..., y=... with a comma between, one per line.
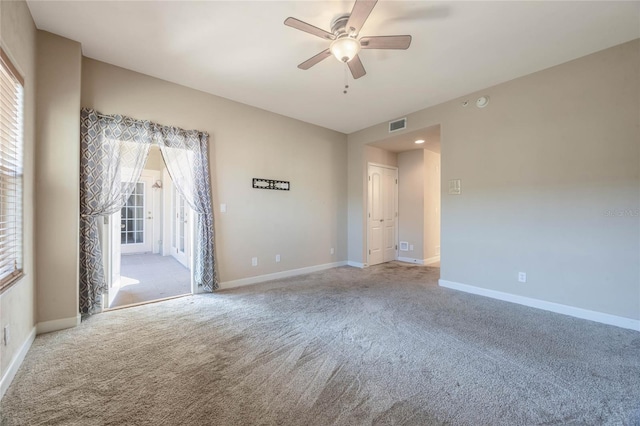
x=345, y=47
x=339, y=24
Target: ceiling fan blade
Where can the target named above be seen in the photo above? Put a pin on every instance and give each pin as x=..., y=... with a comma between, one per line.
x=308, y=28
x=356, y=67
x=359, y=15
x=386, y=42
x=314, y=60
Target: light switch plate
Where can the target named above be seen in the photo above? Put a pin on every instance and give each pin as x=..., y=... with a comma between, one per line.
x=454, y=187
x=223, y=208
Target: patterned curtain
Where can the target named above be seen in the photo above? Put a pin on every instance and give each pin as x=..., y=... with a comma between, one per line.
x=185, y=154
x=113, y=150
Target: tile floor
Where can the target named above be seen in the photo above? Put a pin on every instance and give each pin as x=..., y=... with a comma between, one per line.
x=147, y=277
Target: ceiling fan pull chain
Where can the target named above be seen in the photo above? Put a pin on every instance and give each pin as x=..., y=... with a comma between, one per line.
x=346, y=77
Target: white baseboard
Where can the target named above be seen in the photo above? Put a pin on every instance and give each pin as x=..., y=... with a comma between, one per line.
x=428, y=261
x=600, y=317
x=59, y=324
x=356, y=264
x=410, y=260
x=431, y=260
x=279, y=275
x=16, y=362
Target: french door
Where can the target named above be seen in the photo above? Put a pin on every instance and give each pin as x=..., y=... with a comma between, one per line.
x=136, y=216
x=180, y=229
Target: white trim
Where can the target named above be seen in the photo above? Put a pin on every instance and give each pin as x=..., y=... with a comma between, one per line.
x=431, y=260
x=16, y=362
x=356, y=264
x=279, y=275
x=59, y=324
x=410, y=260
x=572, y=311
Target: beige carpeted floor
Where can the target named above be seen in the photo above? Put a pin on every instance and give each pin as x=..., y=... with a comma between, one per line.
x=380, y=346
x=146, y=277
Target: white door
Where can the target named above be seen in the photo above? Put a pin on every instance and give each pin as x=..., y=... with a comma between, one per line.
x=136, y=219
x=382, y=215
x=180, y=232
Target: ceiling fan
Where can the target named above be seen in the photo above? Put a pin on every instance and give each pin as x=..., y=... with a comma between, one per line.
x=345, y=40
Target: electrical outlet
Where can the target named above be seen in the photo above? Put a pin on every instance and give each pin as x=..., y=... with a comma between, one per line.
x=277, y=258
x=522, y=277
x=254, y=261
x=410, y=247
x=5, y=335
x=332, y=250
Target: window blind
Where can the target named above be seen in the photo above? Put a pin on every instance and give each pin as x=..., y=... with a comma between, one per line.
x=11, y=172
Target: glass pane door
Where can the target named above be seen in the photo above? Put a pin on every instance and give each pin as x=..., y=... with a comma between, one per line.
x=136, y=224
x=132, y=217
x=180, y=228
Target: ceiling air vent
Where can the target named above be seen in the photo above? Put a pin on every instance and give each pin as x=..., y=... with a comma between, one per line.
x=394, y=126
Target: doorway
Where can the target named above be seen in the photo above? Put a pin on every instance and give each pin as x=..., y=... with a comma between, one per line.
x=416, y=157
x=142, y=267
x=382, y=214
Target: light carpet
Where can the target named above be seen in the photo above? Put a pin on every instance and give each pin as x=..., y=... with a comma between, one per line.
x=382, y=346
x=146, y=277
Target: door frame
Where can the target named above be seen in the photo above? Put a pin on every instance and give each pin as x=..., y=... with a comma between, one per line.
x=368, y=214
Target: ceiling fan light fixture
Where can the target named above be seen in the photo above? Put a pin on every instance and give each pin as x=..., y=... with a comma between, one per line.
x=345, y=48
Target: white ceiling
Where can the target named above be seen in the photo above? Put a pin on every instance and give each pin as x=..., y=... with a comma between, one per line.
x=242, y=51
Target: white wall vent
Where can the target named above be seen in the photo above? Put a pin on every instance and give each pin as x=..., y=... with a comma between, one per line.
x=396, y=125
x=404, y=246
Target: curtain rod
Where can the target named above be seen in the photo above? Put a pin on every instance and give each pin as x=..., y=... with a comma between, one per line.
x=124, y=117
x=133, y=120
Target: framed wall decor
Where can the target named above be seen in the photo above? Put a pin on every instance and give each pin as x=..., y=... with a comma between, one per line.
x=280, y=185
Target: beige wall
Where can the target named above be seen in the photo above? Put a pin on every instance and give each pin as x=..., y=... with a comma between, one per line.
x=57, y=177
x=301, y=225
x=411, y=202
x=541, y=167
x=419, y=203
x=431, y=245
x=381, y=156
x=17, y=309
x=154, y=160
